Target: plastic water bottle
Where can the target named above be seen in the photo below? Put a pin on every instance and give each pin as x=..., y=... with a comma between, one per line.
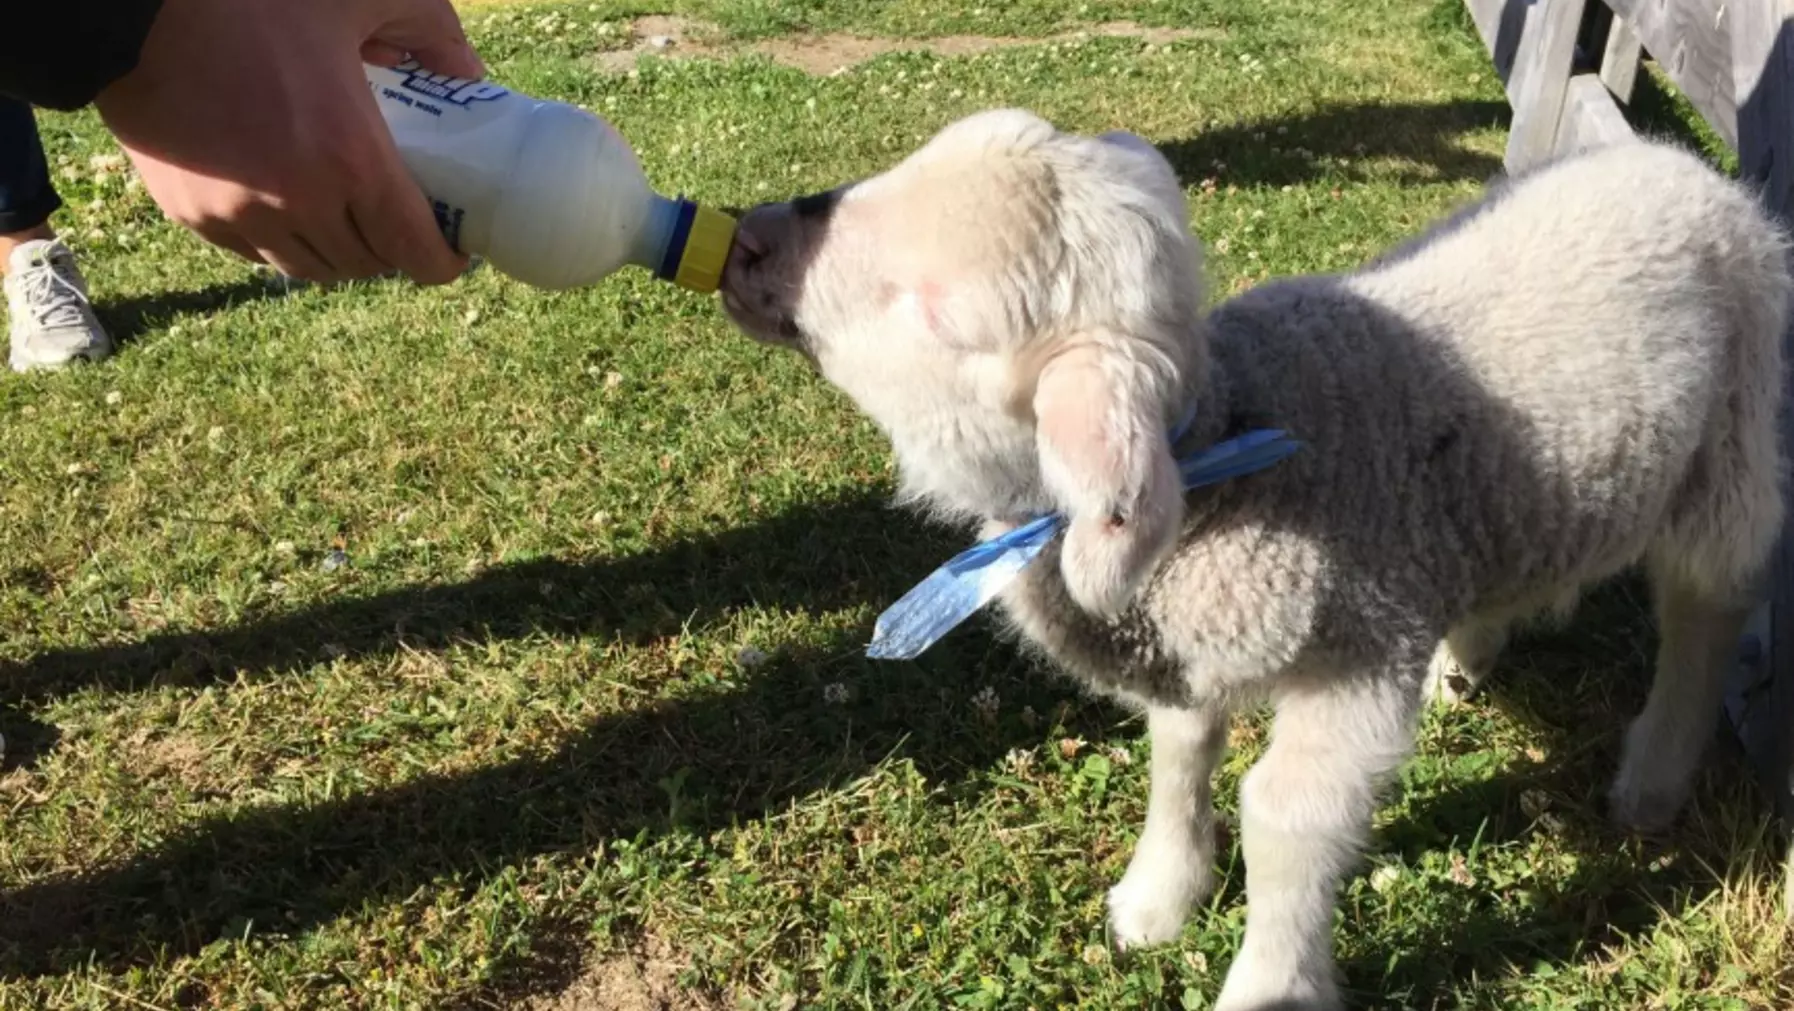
x=546, y=192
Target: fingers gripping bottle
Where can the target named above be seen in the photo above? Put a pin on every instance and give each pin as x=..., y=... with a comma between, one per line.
x=547, y=192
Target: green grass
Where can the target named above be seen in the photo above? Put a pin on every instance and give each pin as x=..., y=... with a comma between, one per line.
x=588, y=687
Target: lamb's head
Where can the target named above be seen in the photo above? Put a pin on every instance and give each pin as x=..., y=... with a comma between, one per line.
x=1019, y=310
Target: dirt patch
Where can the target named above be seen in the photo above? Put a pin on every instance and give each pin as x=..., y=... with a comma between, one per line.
x=175, y=757
x=644, y=978
x=684, y=38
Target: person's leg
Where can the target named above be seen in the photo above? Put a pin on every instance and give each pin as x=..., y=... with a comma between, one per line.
x=52, y=323
x=27, y=197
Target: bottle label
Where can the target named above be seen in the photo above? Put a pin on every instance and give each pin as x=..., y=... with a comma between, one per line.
x=460, y=91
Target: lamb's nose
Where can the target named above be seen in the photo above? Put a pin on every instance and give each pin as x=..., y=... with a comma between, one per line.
x=759, y=233
x=748, y=252
x=750, y=248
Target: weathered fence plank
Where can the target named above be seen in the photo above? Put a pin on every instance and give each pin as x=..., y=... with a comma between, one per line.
x=1590, y=118
x=1692, y=43
x=1540, y=80
x=1501, y=24
x=1619, y=63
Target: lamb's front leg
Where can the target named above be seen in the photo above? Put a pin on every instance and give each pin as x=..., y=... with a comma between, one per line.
x=1305, y=809
x=1173, y=867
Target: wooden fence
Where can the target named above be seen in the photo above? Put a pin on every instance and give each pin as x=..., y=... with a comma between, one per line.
x=1569, y=67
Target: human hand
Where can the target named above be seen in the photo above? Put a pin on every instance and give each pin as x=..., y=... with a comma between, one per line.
x=252, y=124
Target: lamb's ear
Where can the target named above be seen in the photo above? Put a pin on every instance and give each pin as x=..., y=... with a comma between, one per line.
x=1107, y=463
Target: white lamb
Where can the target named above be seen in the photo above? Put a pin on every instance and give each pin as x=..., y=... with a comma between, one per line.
x=1581, y=372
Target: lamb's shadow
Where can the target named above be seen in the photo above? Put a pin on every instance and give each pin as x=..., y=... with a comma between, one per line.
x=735, y=751
x=1423, y=138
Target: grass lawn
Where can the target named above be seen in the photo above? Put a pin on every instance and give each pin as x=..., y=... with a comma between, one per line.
x=477, y=647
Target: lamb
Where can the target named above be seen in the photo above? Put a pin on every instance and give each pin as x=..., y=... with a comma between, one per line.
x=1576, y=374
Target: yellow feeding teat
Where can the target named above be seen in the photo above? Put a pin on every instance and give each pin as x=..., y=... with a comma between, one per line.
x=700, y=266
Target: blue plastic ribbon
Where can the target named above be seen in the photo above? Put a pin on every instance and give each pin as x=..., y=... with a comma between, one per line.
x=970, y=579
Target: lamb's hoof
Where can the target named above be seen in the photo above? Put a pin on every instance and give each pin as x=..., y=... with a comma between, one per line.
x=1143, y=911
x=1254, y=987
x=1642, y=809
x=1280, y=1004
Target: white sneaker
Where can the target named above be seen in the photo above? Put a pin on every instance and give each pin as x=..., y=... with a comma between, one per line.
x=52, y=322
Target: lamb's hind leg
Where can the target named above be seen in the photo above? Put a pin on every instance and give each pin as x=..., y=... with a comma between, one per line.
x=1698, y=640
x=1707, y=570
x=1305, y=810
x=1173, y=867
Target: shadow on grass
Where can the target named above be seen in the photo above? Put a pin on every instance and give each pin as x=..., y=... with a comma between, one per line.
x=127, y=319
x=821, y=556
x=738, y=751
x=1292, y=150
x=692, y=766
x=1297, y=149
x=25, y=737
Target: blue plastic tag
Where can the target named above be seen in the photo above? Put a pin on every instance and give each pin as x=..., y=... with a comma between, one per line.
x=970, y=579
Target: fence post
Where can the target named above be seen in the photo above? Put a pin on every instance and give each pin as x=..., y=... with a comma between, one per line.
x=1541, y=80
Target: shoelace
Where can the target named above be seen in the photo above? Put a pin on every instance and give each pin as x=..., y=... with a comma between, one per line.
x=52, y=296
x=972, y=578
